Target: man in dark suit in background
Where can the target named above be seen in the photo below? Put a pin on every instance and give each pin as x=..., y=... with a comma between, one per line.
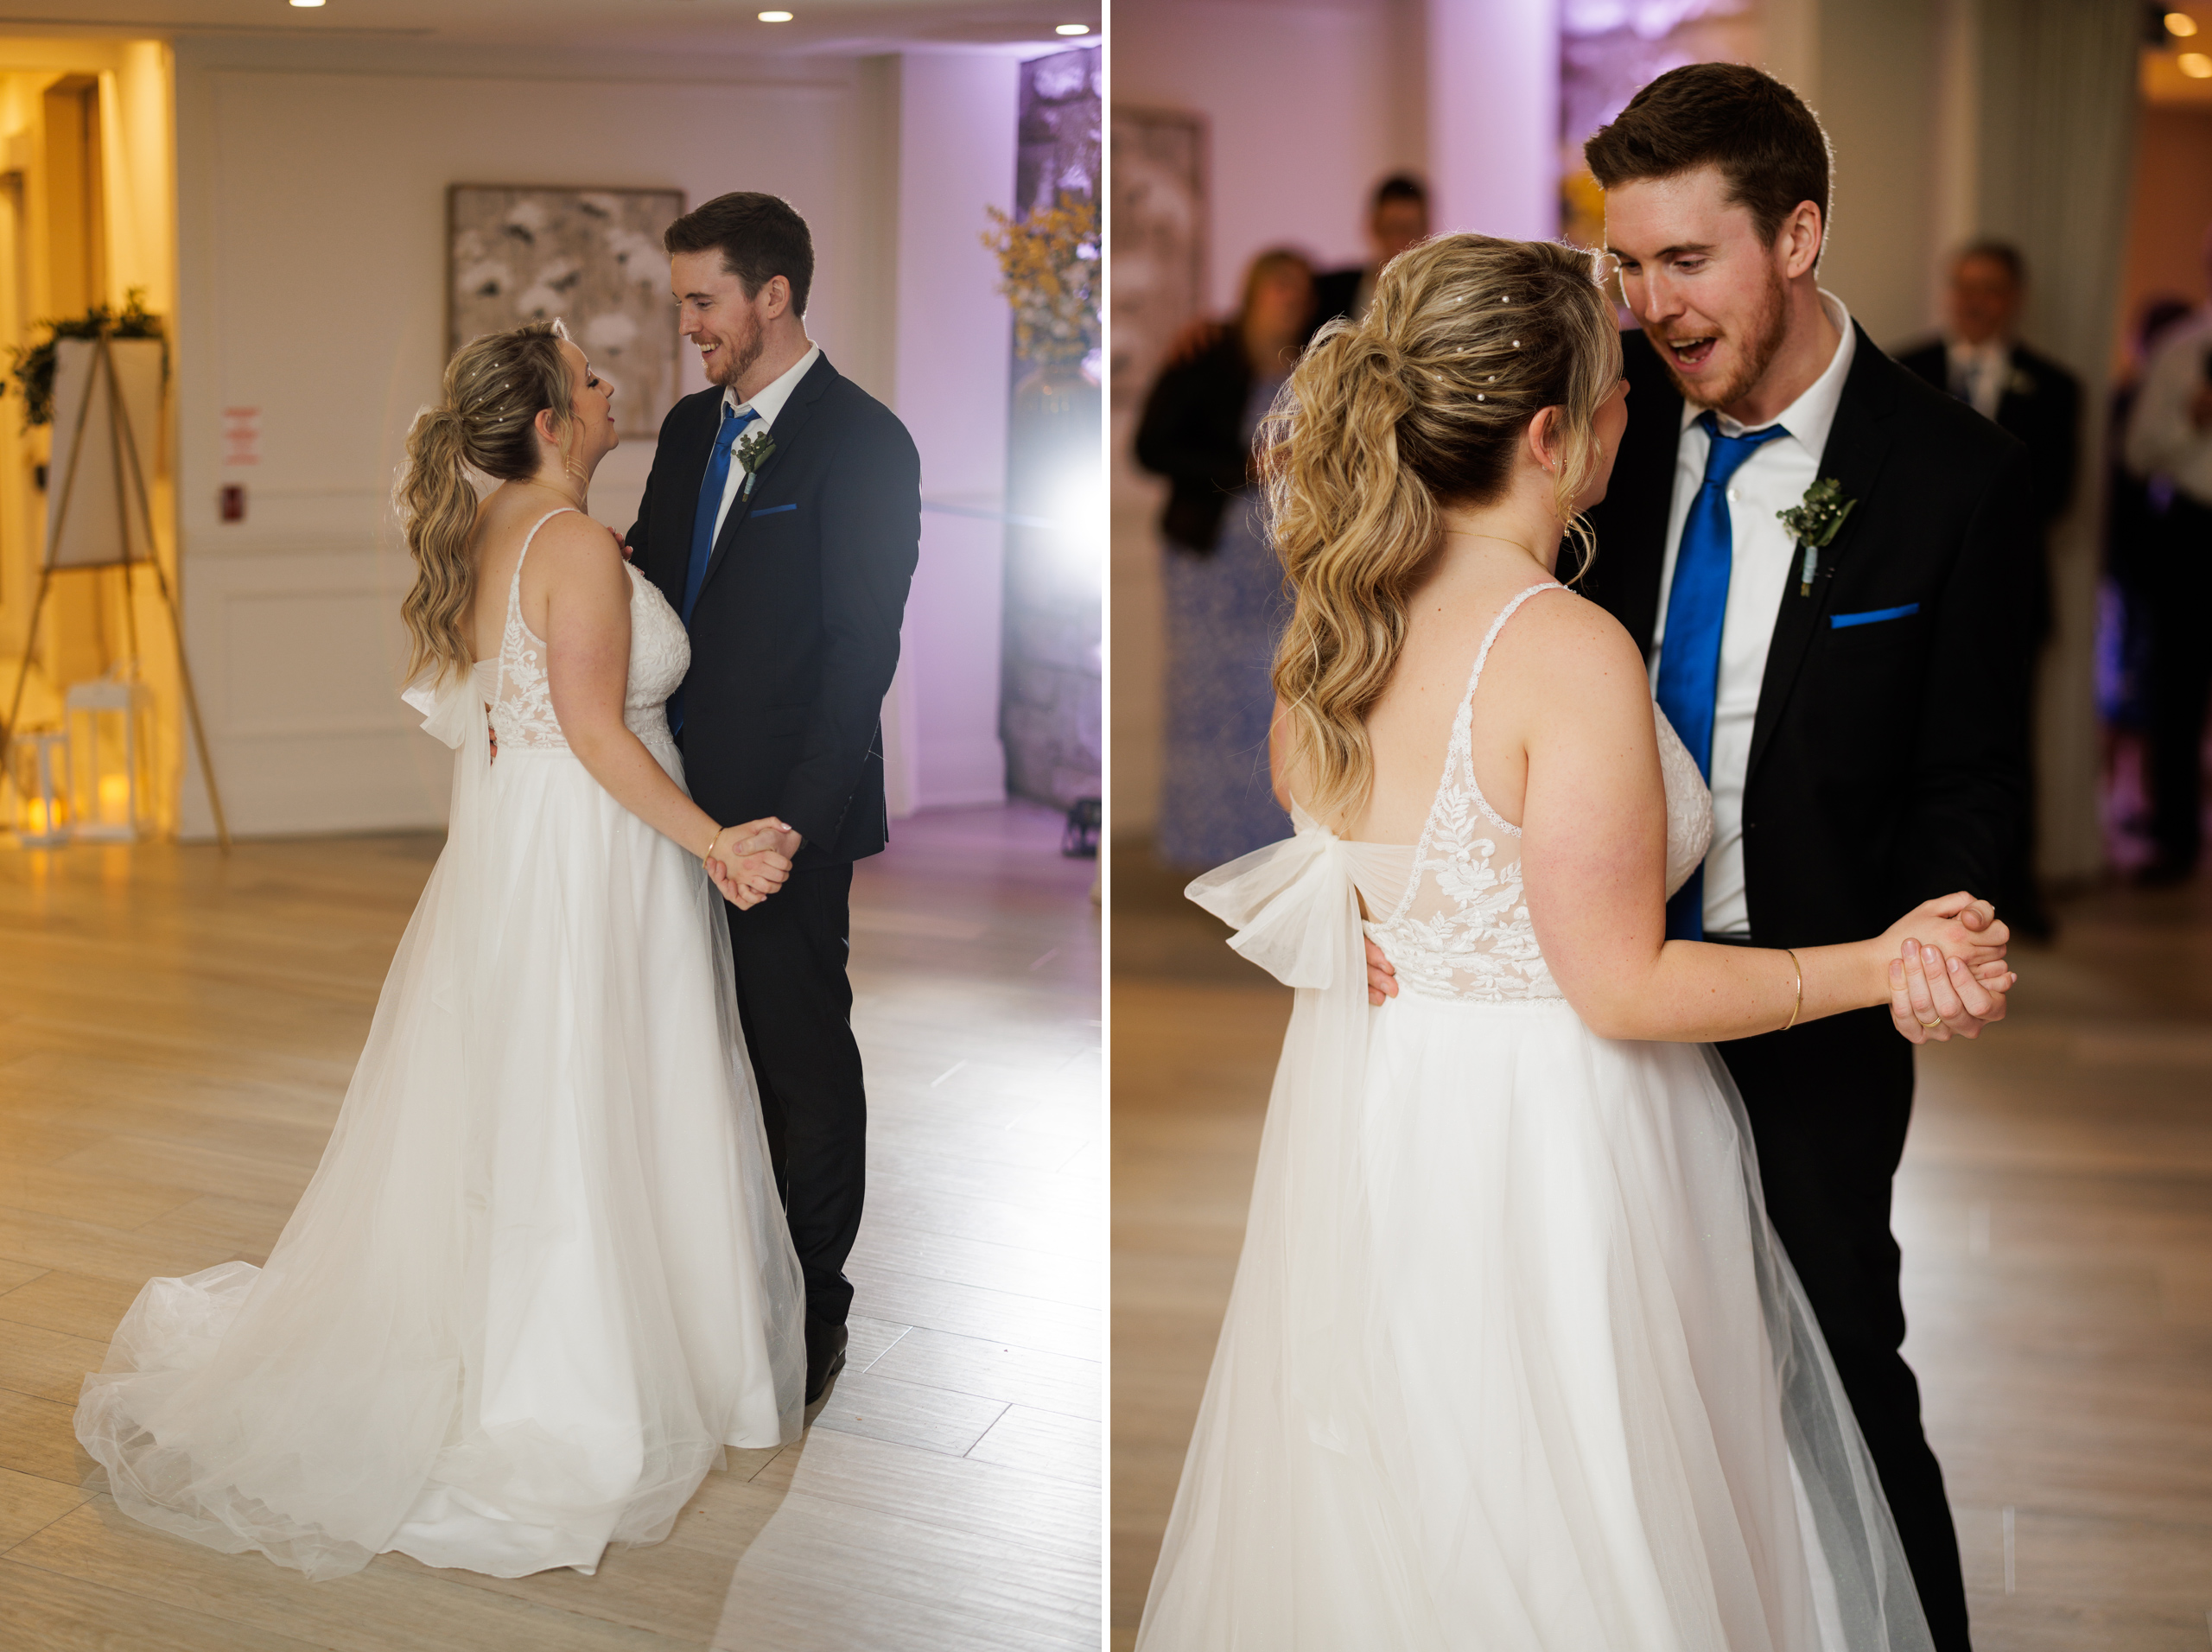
x=1857, y=697
x=1979, y=359
x=1397, y=217
x=782, y=519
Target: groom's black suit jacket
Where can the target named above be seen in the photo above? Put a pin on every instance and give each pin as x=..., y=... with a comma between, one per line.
x=1888, y=764
x=1889, y=760
x=795, y=635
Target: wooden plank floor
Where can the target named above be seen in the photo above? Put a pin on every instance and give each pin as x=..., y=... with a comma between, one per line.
x=2055, y=1208
x=176, y=1031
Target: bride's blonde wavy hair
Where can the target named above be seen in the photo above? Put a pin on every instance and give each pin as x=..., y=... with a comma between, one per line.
x=495, y=387
x=1385, y=423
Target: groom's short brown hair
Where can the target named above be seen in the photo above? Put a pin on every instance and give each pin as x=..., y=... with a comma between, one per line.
x=759, y=237
x=1768, y=146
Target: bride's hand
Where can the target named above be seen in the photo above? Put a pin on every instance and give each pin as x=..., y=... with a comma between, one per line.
x=1948, y=975
x=745, y=864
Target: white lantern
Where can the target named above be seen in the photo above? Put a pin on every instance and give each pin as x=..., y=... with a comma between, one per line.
x=111, y=726
x=38, y=763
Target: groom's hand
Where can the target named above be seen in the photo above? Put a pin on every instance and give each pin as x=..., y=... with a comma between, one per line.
x=752, y=863
x=1382, y=975
x=1951, y=977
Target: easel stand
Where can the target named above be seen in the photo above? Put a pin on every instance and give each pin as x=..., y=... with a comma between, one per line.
x=130, y=482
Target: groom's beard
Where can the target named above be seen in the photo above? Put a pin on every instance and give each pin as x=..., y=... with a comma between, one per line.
x=1762, y=343
x=739, y=355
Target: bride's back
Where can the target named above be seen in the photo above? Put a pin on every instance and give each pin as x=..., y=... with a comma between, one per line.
x=1409, y=726
x=503, y=523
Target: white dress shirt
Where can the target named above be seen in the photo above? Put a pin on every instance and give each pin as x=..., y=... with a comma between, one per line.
x=1763, y=560
x=2161, y=441
x=1979, y=373
x=769, y=403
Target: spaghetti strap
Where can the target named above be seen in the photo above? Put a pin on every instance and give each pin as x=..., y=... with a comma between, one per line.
x=513, y=619
x=514, y=585
x=1482, y=656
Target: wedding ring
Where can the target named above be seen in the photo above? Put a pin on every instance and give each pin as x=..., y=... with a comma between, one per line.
x=1937, y=1022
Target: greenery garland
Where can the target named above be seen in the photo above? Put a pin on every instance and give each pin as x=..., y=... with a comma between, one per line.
x=32, y=365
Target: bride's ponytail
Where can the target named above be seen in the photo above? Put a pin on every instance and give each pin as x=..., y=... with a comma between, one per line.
x=1383, y=425
x=494, y=389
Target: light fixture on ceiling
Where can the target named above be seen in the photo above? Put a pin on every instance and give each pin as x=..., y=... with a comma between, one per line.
x=2195, y=65
x=775, y=17
x=1073, y=28
x=306, y=4
x=2180, y=24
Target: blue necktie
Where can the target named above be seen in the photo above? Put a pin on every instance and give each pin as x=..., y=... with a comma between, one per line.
x=1689, y=657
x=711, y=487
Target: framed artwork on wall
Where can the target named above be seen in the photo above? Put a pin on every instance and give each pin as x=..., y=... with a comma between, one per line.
x=591, y=257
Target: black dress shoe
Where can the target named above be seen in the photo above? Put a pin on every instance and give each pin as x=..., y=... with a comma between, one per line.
x=825, y=1356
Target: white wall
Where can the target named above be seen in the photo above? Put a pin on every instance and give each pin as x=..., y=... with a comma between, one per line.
x=312, y=203
x=1308, y=106
x=1493, y=117
x=957, y=115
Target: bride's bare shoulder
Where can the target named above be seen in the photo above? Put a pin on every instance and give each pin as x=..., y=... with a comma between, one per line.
x=575, y=547
x=1562, y=640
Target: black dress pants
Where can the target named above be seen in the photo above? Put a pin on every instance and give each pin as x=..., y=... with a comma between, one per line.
x=1828, y=1104
x=796, y=1004
x=2179, y=578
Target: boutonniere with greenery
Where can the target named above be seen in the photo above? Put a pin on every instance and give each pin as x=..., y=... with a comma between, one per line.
x=2020, y=383
x=1814, y=522
x=754, y=449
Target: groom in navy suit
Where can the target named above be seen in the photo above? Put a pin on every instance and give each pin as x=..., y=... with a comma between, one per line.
x=1852, y=679
x=782, y=519
x=1852, y=683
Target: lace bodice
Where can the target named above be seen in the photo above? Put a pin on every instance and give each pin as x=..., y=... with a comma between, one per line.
x=1454, y=924
x=519, y=693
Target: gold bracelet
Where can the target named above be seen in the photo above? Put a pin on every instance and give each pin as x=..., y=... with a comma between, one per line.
x=1798, y=1008
x=710, y=852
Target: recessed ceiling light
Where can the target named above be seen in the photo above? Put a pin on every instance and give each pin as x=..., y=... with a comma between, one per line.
x=307, y=3
x=775, y=17
x=2196, y=66
x=2180, y=24
x=1073, y=28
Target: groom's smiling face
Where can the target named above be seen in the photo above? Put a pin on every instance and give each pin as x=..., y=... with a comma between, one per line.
x=729, y=329
x=1709, y=293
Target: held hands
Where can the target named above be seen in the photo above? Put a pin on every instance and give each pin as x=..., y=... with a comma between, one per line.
x=749, y=863
x=1948, y=975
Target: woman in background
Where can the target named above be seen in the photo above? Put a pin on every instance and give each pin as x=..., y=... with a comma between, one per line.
x=1224, y=585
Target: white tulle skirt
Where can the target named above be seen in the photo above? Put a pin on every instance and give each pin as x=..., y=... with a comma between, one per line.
x=1512, y=1360
x=541, y=1278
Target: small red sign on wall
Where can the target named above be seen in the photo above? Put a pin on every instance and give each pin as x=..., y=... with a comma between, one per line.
x=241, y=437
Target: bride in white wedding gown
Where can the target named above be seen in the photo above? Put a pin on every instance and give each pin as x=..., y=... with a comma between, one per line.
x=1512, y=1360
x=541, y=1277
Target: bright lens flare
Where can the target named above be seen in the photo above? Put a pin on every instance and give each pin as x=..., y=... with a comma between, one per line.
x=2180, y=24
x=2195, y=65
x=1073, y=28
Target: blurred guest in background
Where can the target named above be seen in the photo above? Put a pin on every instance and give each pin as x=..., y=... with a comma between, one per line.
x=1397, y=218
x=2134, y=512
x=2170, y=445
x=1224, y=584
x=1980, y=359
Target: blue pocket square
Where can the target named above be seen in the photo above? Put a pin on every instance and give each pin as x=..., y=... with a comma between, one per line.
x=775, y=510
x=1871, y=617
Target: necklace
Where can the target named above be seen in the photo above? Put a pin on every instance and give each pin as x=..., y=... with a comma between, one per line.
x=575, y=500
x=1496, y=539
